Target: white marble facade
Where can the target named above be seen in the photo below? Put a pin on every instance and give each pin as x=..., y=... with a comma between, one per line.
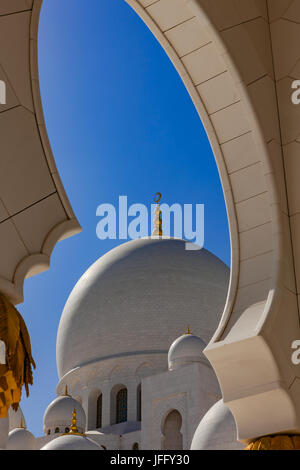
x=127, y=363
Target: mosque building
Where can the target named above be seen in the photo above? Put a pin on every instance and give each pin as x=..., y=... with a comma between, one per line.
x=132, y=375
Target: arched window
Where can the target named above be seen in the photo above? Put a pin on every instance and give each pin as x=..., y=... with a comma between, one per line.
x=121, y=406
x=135, y=446
x=172, y=437
x=99, y=412
x=56, y=430
x=139, y=403
x=67, y=430
x=49, y=432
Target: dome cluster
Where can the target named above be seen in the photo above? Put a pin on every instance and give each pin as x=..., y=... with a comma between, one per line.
x=114, y=340
x=73, y=439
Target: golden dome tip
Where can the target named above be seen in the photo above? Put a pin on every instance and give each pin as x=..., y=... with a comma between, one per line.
x=157, y=231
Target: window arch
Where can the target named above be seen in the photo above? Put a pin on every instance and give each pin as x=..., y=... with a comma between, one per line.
x=67, y=430
x=139, y=403
x=172, y=437
x=99, y=412
x=135, y=446
x=49, y=432
x=56, y=430
x=121, y=405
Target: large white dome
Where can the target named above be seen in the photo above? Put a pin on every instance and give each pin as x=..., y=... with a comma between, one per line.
x=137, y=298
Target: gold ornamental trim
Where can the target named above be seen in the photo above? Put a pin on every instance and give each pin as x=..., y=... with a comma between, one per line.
x=157, y=231
x=17, y=370
x=277, y=442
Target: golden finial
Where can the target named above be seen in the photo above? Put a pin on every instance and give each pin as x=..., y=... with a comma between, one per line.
x=22, y=424
x=74, y=429
x=66, y=391
x=158, y=220
x=188, y=331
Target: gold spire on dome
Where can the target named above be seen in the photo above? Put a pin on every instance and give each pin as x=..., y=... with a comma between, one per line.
x=66, y=391
x=74, y=429
x=188, y=331
x=158, y=220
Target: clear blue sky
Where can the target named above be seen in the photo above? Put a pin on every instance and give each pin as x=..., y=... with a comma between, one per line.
x=120, y=122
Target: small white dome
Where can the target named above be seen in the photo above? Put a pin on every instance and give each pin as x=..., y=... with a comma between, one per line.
x=217, y=430
x=59, y=415
x=15, y=418
x=186, y=349
x=20, y=439
x=71, y=442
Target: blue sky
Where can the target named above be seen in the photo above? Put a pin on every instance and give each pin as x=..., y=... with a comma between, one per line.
x=120, y=122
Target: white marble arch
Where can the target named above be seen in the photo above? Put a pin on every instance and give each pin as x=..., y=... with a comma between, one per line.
x=224, y=53
x=34, y=209
x=237, y=59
